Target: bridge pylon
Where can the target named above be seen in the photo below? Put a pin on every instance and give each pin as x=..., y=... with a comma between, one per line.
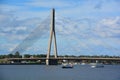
x=52, y=36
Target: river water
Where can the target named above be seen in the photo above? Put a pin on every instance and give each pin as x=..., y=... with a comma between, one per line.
x=43, y=72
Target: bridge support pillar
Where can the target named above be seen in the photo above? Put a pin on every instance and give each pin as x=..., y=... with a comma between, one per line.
x=52, y=37
x=51, y=62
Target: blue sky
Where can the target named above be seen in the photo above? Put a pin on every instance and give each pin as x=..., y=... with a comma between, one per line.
x=83, y=27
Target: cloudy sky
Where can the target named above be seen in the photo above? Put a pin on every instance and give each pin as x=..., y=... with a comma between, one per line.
x=83, y=27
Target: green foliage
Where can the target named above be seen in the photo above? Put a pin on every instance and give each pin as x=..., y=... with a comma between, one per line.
x=17, y=55
x=27, y=55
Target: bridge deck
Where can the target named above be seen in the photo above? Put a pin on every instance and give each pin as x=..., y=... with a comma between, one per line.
x=65, y=58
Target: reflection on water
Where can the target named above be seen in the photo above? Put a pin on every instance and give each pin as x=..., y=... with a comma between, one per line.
x=43, y=72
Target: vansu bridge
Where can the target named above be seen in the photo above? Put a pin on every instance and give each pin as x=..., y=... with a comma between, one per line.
x=69, y=59
x=54, y=60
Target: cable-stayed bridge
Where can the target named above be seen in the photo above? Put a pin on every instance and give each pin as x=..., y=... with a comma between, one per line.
x=36, y=34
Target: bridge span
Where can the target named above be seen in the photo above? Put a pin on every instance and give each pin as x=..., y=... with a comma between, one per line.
x=65, y=58
x=69, y=59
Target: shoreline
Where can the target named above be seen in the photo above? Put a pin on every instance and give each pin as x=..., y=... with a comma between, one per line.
x=21, y=64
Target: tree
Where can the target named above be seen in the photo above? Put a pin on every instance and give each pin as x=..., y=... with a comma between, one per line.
x=27, y=55
x=17, y=55
x=10, y=56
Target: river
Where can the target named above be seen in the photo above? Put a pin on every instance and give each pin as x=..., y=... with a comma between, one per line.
x=43, y=72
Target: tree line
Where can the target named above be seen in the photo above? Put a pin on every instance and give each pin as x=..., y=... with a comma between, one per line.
x=18, y=55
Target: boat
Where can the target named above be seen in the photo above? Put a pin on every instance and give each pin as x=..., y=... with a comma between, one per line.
x=97, y=65
x=82, y=63
x=67, y=66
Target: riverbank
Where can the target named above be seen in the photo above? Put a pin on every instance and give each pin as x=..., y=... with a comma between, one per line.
x=21, y=64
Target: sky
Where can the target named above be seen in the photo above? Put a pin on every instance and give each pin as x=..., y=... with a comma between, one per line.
x=83, y=27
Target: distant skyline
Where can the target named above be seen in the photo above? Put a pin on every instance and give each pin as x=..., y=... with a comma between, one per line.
x=83, y=27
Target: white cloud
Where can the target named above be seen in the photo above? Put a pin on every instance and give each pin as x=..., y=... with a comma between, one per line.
x=76, y=9
x=13, y=30
x=85, y=28
x=109, y=27
x=81, y=28
x=50, y=4
x=21, y=28
x=5, y=7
